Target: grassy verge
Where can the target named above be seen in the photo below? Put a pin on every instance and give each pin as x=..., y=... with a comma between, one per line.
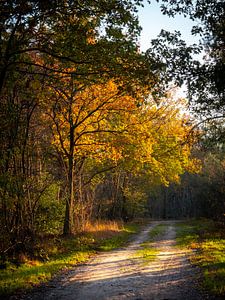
x=147, y=252
x=119, y=240
x=61, y=253
x=209, y=242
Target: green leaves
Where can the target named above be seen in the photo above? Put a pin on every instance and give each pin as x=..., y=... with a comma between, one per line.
x=206, y=87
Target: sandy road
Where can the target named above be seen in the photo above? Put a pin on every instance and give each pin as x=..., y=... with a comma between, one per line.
x=119, y=275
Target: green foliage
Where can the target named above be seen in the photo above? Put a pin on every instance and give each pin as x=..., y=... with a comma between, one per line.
x=205, y=80
x=135, y=204
x=59, y=115
x=196, y=195
x=50, y=211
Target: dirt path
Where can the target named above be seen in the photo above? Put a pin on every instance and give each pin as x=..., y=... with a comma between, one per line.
x=118, y=275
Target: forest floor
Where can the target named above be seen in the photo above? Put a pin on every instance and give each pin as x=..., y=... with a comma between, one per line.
x=122, y=274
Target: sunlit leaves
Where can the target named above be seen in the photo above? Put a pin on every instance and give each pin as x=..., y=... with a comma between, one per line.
x=108, y=124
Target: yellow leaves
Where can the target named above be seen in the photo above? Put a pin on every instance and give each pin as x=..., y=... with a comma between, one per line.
x=108, y=125
x=194, y=166
x=158, y=141
x=96, y=114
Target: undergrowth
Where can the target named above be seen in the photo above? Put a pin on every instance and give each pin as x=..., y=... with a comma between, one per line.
x=208, y=241
x=57, y=253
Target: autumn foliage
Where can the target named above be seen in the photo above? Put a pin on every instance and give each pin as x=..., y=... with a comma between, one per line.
x=85, y=130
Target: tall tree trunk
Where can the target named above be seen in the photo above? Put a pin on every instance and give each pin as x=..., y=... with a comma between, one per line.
x=68, y=221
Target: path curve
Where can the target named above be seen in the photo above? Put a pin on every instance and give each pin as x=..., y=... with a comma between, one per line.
x=117, y=275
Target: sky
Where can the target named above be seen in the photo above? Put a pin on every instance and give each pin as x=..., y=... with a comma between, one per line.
x=152, y=21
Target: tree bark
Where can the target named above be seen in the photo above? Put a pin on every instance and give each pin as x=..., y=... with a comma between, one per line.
x=68, y=221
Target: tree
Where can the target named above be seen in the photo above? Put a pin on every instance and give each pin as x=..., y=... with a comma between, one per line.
x=75, y=97
x=43, y=42
x=84, y=126
x=98, y=37
x=197, y=195
x=156, y=151
x=205, y=81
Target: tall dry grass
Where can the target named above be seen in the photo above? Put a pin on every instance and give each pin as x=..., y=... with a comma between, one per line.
x=103, y=229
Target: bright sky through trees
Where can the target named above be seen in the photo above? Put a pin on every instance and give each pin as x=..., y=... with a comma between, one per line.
x=152, y=21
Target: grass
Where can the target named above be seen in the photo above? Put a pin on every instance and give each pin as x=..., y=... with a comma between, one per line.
x=208, y=239
x=156, y=231
x=33, y=273
x=59, y=253
x=148, y=253
x=117, y=241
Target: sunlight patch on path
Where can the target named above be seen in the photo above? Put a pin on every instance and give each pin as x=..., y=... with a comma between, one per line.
x=118, y=275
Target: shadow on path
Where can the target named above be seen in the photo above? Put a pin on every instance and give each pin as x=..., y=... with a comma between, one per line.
x=119, y=275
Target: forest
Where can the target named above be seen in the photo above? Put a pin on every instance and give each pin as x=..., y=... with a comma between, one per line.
x=92, y=129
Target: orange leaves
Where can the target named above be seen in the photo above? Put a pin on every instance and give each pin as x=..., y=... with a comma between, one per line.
x=94, y=116
x=101, y=122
